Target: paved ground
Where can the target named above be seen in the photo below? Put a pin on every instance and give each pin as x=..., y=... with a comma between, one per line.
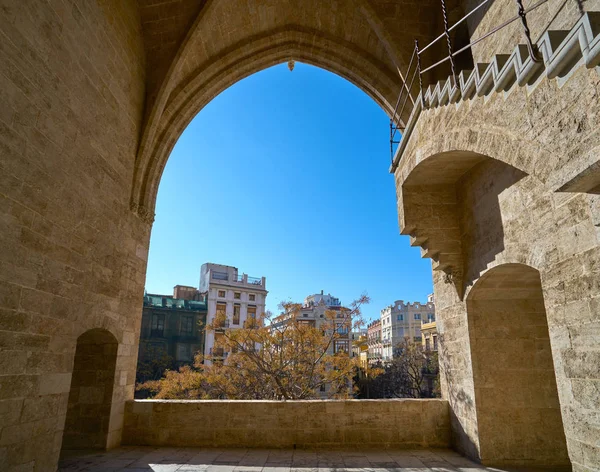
x=131, y=459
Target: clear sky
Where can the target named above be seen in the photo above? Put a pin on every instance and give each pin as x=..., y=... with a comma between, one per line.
x=285, y=175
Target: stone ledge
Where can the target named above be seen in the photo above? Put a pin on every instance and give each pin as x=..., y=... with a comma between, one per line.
x=365, y=424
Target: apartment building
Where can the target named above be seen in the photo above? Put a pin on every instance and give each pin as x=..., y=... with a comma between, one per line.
x=360, y=347
x=375, y=354
x=171, y=326
x=312, y=313
x=234, y=295
x=403, y=320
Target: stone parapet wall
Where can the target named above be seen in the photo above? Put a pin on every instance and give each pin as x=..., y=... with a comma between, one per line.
x=403, y=423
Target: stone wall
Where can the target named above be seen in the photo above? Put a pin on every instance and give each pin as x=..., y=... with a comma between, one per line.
x=73, y=255
x=508, y=208
x=553, y=15
x=273, y=424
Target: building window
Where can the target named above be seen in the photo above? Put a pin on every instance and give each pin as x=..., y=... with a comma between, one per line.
x=430, y=317
x=158, y=325
x=400, y=317
x=340, y=346
x=252, y=297
x=236, y=314
x=427, y=344
x=187, y=325
x=184, y=352
x=237, y=295
x=322, y=388
x=251, y=312
x=219, y=275
x=417, y=316
x=435, y=343
x=342, y=329
x=222, y=293
x=221, y=310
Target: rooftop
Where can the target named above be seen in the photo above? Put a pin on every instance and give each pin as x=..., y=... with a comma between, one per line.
x=167, y=301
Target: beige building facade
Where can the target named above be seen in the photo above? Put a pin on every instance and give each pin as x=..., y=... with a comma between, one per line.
x=230, y=296
x=402, y=321
x=374, y=341
x=498, y=186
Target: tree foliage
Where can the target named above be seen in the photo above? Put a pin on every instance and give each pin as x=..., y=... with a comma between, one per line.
x=412, y=373
x=281, y=358
x=155, y=362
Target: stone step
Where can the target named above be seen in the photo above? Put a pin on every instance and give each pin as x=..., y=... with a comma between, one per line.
x=561, y=52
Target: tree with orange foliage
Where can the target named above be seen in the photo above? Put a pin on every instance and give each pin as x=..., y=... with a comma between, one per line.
x=271, y=358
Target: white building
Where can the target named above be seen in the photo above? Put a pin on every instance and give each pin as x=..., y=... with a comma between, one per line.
x=237, y=296
x=403, y=320
x=321, y=299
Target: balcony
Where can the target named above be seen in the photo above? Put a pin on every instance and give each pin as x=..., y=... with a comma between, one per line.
x=245, y=279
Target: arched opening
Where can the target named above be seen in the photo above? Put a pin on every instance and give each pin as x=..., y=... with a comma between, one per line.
x=90, y=397
x=310, y=181
x=518, y=413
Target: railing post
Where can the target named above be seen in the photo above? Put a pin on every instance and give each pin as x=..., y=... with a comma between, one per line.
x=419, y=73
x=449, y=41
x=391, y=142
x=533, y=53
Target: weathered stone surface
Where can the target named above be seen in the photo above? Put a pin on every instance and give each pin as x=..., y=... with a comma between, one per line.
x=510, y=211
x=305, y=424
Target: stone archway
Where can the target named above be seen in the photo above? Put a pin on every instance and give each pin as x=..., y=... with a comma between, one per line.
x=517, y=407
x=243, y=59
x=91, y=395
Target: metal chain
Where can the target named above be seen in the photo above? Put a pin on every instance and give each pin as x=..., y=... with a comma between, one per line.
x=419, y=72
x=448, y=41
x=533, y=53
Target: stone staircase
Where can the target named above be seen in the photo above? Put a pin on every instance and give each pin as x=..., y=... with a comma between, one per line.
x=561, y=51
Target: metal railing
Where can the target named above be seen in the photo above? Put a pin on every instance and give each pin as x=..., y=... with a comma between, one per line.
x=406, y=98
x=254, y=280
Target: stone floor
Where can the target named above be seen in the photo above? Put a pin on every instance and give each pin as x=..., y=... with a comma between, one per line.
x=131, y=459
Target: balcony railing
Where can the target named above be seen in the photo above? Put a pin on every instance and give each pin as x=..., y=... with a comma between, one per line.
x=246, y=279
x=219, y=326
x=410, y=105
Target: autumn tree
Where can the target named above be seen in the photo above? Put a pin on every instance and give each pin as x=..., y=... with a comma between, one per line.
x=282, y=358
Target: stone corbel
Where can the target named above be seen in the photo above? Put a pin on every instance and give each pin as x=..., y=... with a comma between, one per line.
x=142, y=212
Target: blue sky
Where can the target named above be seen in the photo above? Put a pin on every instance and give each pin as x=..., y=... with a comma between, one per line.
x=285, y=175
